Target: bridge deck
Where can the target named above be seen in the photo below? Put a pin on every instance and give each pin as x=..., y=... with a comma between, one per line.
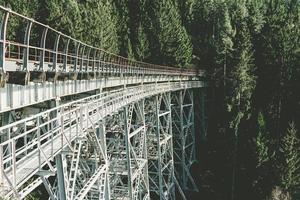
x=88, y=110
x=31, y=73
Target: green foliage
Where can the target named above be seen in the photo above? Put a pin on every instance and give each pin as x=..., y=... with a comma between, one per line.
x=176, y=47
x=64, y=16
x=250, y=49
x=100, y=25
x=241, y=79
x=142, y=46
x=261, y=142
x=28, y=8
x=290, y=166
x=121, y=13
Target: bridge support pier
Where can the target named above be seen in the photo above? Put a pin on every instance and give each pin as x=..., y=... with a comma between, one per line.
x=127, y=150
x=104, y=145
x=184, y=137
x=160, y=146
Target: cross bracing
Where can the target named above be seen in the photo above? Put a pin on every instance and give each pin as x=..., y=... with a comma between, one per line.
x=160, y=158
x=88, y=124
x=184, y=137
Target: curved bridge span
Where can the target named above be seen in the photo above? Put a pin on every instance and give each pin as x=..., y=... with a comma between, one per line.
x=81, y=123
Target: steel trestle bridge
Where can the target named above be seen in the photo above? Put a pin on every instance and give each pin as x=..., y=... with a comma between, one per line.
x=82, y=123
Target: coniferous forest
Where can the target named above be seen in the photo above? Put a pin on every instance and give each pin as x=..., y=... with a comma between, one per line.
x=250, y=50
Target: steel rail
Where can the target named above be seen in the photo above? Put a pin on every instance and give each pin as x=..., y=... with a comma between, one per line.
x=85, y=49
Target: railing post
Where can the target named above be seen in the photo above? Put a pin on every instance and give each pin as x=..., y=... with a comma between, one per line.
x=39, y=142
x=62, y=126
x=94, y=60
x=76, y=55
x=98, y=60
x=55, y=49
x=102, y=57
x=3, y=43
x=14, y=170
x=26, y=43
x=66, y=49
x=1, y=165
x=88, y=59
x=82, y=58
x=43, y=45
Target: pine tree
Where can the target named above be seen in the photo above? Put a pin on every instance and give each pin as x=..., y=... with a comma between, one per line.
x=261, y=142
x=241, y=78
x=121, y=12
x=290, y=165
x=64, y=16
x=100, y=25
x=137, y=25
x=276, y=55
x=186, y=10
x=142, y=46
x=176, y=47
x=224, y=40
x=241, y=82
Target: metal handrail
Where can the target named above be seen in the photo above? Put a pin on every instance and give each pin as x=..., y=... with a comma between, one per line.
x=82, y=53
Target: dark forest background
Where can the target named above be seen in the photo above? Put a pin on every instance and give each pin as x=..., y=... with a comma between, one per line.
x=251, y=51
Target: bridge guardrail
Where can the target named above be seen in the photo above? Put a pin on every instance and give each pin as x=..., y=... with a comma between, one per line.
x=65, y=54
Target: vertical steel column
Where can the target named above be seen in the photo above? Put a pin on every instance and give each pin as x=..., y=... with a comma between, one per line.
x=202, y=114
x=60, y=177
x=128, y=155
x=101, y=133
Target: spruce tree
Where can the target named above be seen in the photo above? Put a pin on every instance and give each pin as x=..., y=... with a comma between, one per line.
x=100, y=25
x=241, y=80
x=176, y=47
x=141, y=48
x=224, y=41
x=64, y=16
x=261, y=142
x=137, y=25
x=121, y=13
x=290, y=165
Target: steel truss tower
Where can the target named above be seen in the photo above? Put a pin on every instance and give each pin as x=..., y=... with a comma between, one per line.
x=184, y=137
x=138, y=151
x=127, y=152
x=82, y=169
x=160, y=146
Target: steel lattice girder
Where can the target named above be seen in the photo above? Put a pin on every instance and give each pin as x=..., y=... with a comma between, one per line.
x=184, y=137
x=160, y=147
x=82, y=114
x=82, y=170
x=126, y=139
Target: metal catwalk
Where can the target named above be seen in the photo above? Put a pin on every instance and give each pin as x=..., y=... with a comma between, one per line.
x=84, y=123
